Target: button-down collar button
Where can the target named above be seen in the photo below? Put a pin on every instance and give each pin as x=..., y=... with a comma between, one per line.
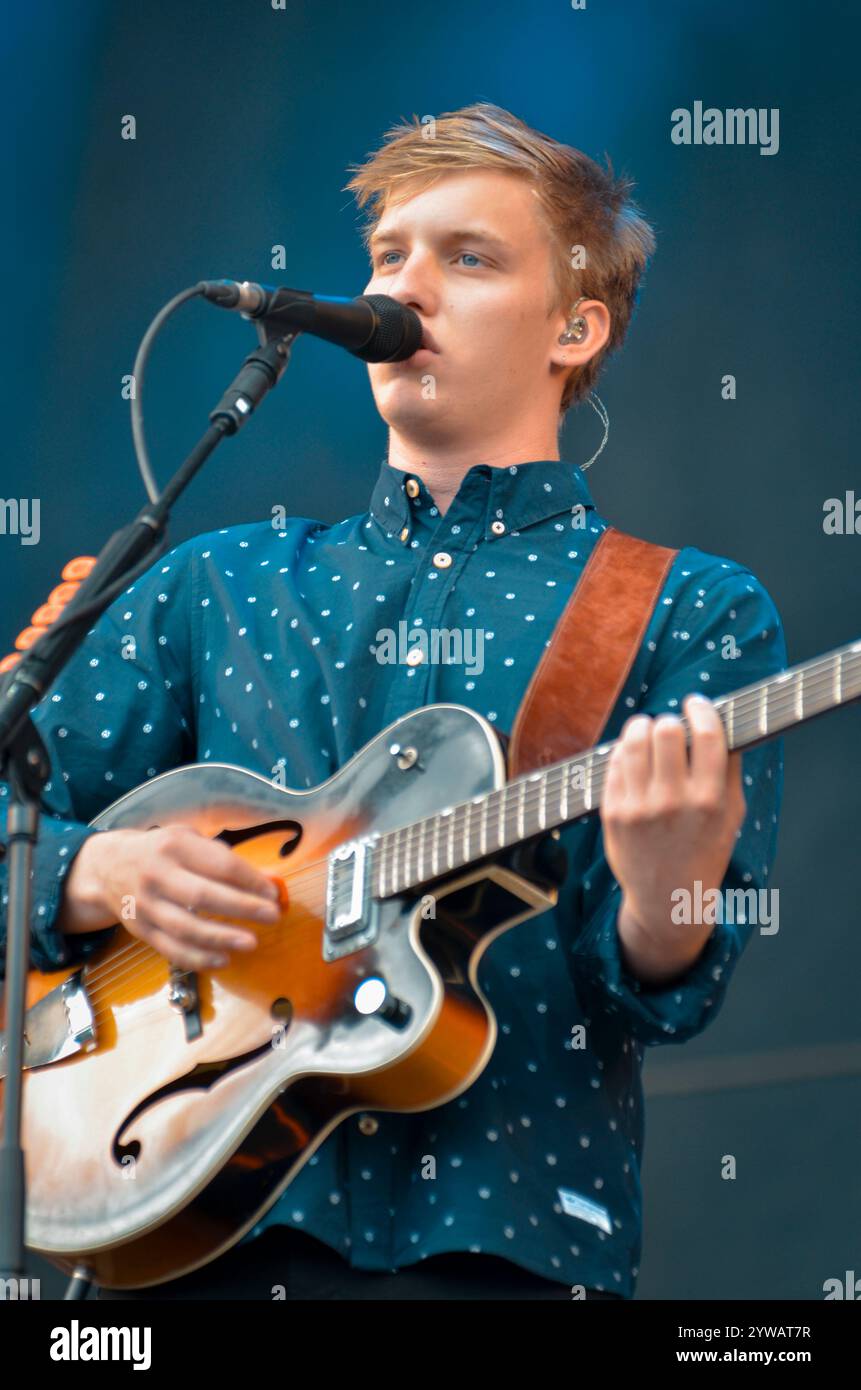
x=412, y=487
x=405, y=534
x=368, y=1125
x=442, y=559
x=498, y=528
x=415, y=656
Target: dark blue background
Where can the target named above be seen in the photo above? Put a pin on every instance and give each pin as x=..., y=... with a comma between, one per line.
x=246, y=121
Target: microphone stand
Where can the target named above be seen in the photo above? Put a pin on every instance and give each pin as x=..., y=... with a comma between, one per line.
x=25, y=765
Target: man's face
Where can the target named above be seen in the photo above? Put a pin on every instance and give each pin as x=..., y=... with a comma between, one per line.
x=471, y=255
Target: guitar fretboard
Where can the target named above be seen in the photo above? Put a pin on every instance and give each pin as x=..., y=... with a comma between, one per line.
x=416, y=854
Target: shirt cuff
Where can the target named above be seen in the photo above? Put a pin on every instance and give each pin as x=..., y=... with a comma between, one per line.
x=655, y=1014
x=56, y=847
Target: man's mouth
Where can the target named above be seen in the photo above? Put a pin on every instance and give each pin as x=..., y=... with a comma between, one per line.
x=428, y=340
x=428, y=344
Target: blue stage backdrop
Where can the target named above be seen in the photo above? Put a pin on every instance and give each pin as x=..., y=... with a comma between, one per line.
x=246, y=116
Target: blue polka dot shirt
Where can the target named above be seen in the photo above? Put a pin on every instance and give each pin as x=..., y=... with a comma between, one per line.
x=259, y=645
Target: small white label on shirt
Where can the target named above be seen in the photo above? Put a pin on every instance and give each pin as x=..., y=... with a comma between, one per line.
x=575, y=1205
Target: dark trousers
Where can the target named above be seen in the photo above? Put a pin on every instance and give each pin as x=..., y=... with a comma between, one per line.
x=281, y=1257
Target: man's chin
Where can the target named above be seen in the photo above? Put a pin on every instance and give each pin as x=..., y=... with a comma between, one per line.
x=405, y=408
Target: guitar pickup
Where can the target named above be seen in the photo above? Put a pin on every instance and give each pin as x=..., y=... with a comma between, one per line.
x=349, y=918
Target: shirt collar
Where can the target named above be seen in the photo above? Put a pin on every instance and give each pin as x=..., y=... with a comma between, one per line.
x=517, y=496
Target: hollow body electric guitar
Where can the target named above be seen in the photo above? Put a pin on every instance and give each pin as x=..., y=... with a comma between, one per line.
x=165, y=1111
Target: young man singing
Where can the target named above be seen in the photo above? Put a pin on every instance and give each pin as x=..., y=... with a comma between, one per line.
x=266, y=648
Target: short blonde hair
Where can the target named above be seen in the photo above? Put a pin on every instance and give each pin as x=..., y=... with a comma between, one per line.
x=583, y=206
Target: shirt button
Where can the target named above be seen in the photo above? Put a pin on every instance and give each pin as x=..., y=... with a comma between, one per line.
x=405, y=534
x=442, y=560
x=498, y=528
x=415, y=656
x=412, y=487
x=368, y=1125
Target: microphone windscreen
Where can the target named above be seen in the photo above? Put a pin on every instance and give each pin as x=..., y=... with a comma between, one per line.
x=398, y=333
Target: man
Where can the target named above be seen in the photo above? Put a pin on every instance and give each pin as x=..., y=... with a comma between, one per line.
x=268, y=647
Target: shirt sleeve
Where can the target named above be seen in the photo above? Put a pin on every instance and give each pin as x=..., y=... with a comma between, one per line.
x=121, y=711
x=739, y=616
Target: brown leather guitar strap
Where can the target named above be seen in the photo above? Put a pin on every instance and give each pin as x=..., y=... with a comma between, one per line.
x=581, y=674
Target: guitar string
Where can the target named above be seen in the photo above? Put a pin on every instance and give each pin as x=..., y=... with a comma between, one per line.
x=124, y=966
x=155, y=961
x=133, y=967
x=313, y=869
x=105, y=974
x=156, y=967
x=787, y=700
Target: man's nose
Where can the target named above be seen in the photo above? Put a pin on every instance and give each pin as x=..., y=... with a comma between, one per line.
x=415, y=284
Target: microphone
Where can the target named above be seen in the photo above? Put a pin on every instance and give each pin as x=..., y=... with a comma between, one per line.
x=371, y=326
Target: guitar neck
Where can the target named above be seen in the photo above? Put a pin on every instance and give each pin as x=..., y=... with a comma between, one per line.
x=563, y=792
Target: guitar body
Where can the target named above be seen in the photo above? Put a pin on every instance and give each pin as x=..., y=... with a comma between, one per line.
x=152, y=1149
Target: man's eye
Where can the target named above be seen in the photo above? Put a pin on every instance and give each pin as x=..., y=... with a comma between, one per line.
x=474, y=260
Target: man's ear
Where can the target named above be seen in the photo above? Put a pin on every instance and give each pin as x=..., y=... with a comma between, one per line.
x=595, y=333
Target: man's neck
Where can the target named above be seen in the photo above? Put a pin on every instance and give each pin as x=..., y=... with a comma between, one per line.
x=442, y=468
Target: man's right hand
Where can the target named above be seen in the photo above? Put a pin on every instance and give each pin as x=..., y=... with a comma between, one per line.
x=154, y=882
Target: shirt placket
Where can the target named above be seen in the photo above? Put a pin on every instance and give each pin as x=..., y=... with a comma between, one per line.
x=374, y=1239
x=439, y=567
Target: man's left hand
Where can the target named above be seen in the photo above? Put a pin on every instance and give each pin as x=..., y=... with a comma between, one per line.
x=669, y=820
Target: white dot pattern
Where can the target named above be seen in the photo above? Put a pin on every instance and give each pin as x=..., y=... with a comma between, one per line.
x=256, y=646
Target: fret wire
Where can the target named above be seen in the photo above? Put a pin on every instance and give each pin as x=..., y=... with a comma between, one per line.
x=408, y=860
x=730, y=721
x=510, y=812
x=381, y=867
x=799, y=706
